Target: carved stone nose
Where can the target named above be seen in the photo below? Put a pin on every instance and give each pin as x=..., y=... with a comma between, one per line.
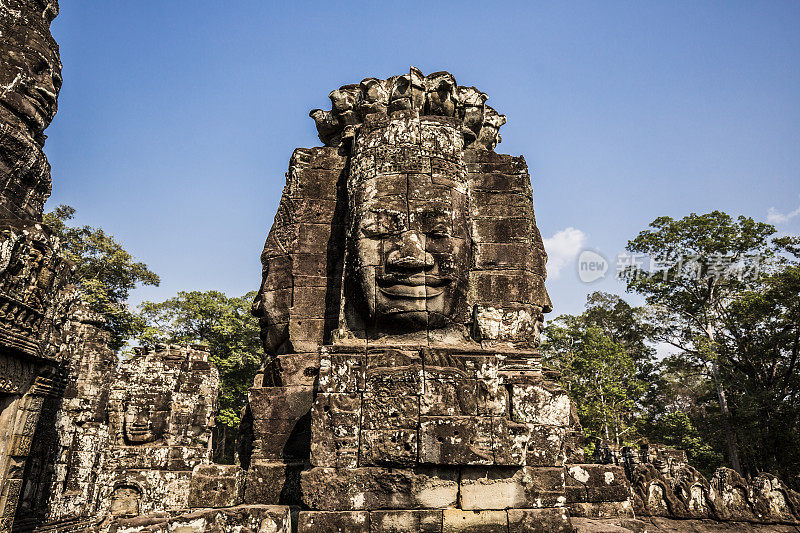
x=411, y=254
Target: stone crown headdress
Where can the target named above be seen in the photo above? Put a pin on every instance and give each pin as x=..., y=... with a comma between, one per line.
x=437, y=94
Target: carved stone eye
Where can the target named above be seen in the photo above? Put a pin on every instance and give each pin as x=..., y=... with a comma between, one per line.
x=41, y=67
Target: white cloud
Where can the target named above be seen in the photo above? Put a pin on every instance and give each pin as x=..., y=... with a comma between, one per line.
x=562, y=248
x=776, y=217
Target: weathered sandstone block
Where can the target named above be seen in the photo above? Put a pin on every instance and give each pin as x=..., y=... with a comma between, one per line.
x=504, y=488
x=379, y=488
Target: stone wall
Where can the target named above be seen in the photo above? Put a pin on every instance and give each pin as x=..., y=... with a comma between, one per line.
x=131, y=437
x=72, y=432
x=101, y=451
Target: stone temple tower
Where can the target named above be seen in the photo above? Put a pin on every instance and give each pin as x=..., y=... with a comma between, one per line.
x=32, y=273
x=401, y=303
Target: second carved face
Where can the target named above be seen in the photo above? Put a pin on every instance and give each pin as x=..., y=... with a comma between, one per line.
x=30, y=73
x=145, y=419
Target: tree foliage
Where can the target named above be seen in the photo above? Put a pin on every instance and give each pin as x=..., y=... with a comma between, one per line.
x=759, y=354
x=604, y=362
x=105, y=272
x=681, y=411
x=725, y=295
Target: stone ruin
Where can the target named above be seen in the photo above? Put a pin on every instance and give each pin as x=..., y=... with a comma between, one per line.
x=401, y=303
x=32, y=273
x=127, y=435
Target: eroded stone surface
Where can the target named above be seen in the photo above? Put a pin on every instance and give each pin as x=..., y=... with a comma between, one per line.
x=436, y=94
x=134, y=437
x=379, y=488
x=30, y=80
x=405, y=255
x=256, y=518
x=504, y=488
x=33, y=275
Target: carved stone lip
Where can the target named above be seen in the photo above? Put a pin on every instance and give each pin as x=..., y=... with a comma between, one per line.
x=416, y=280
x=411, y=292
x=418, y=286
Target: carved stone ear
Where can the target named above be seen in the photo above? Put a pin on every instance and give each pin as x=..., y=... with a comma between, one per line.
x=327, y=125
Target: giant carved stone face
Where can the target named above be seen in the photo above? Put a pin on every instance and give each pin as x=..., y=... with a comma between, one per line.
x=410, y=243
x=145, y=418
x=30, y=79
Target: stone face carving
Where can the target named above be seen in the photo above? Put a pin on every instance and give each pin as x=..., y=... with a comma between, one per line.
x=467, y=259
x=130, y=434
x=145, y=416
x=165, y=396
x=401, y=301
x=408, y=233
x=30, y=79
x=32, y=273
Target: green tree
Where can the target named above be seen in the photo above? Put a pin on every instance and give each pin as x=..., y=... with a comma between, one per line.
x=602, y=357
x=759, y=346
x=682, y=412
x=105, y=272
x=625, y=325
x=225, y=326
x=705, y=265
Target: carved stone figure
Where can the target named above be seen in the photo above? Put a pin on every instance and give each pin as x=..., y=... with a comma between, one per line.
x=30, y=79
x=467, y=261
x=401, y=303
x=145, y=416
x=408, y=234
x=32, y=273
x=138, y=454
x=166, y=397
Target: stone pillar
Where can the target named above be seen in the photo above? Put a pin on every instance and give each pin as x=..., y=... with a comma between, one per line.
x=31, y=272
x=298, y=306
x=72, y=436
x=31, y=278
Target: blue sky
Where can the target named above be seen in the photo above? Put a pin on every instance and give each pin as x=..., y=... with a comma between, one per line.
x=177, y=119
